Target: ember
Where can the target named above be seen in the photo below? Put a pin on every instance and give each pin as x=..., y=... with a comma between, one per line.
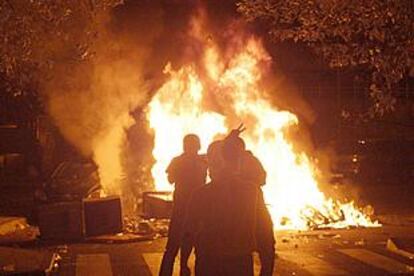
x=187, y=102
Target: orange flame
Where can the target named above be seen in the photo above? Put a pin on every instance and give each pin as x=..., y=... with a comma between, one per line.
x=187, y=103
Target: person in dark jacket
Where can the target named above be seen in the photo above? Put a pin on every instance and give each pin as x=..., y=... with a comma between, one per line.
x=187, y=172
x=221, y=218
x=234, y=171
x=252, y=171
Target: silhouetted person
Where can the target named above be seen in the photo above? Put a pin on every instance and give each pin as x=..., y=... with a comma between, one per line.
x=265, y=240
x=253, y=172
x=248, y=172
x=222, y=214
x=187, y=172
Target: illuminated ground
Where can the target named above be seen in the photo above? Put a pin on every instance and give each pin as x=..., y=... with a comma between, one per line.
x=340, y=252
x=331, y=252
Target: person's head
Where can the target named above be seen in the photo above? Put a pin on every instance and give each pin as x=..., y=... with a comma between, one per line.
x=215, y=158
x=191, y=144
x=233, y=149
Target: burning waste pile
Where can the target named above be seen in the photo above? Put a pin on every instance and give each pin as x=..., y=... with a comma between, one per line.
x=224, y=87
x=223, y=81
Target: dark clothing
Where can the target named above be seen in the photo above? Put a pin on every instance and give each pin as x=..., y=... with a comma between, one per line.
x=264, y=237
x=222, y=219
x=187, y=172
x=224, y=265
x=221, y=223
x=175, y=244
x=253, y=172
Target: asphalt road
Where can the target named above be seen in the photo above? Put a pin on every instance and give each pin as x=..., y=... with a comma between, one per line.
x=334, y=252
x=330, y=252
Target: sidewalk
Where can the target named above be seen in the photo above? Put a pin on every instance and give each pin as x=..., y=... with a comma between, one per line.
x=30, y=261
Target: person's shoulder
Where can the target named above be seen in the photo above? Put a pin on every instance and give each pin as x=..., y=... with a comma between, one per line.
x=174, y=163
x=178, y=158
x=250, y=155
x=202, y=158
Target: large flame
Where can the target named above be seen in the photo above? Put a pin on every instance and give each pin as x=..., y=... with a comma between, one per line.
x=226, y=91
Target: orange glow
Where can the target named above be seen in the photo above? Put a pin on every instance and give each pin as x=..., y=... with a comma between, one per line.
x=229, y=92
x=175, y=111
x=107, y=154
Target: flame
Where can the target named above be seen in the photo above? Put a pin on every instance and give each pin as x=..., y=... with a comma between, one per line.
x=189, y=102
x=175, y=115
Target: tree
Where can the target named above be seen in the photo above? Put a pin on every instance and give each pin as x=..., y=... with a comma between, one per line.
x=373, y=36
x=37, y=34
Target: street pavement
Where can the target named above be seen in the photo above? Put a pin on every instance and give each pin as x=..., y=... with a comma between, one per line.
x=324, y=252
x=321, y=252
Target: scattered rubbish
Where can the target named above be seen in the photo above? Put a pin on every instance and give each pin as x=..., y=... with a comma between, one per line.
x=131, y=224
x=368, y=210
x=155, y=227
x=8, y=268
x=62, y=249
x=161, y=226
x=54, y=264
x=12, y=224
x=20, y=236
x=400, y=247
x=284, y=221
x=360, y=242
x=324, y=236
x=145, y=228
x=285, y=240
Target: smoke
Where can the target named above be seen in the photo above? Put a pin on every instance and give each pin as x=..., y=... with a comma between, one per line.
x=91, y=102
x=98, y=105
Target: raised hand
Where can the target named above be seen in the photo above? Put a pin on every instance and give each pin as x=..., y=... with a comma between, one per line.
x=236, y=132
